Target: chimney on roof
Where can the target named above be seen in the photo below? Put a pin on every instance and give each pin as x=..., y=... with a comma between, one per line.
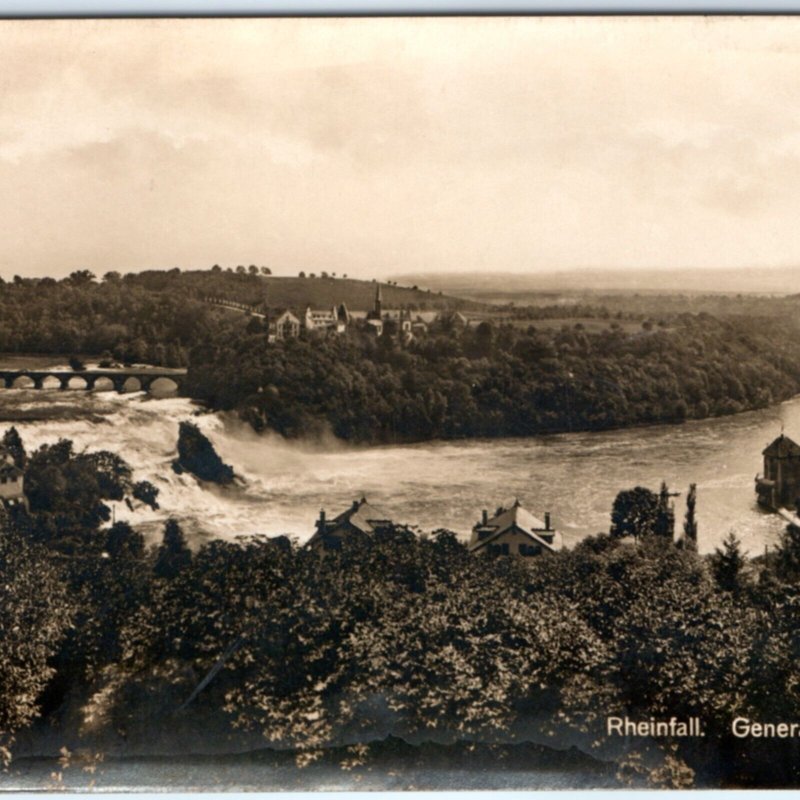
x=547, y=520
x=321, y=521
x=485, y=517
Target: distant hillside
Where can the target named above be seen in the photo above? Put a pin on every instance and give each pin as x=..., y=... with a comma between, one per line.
x=503, y=287
x=294, y=292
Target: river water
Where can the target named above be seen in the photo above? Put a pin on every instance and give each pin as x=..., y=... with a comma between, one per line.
x=440, y=484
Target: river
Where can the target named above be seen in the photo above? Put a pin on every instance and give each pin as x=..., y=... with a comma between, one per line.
x=575, y=476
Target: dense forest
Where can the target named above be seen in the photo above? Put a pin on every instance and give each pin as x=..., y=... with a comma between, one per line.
x=497, y=379
x=118, y=317
x=119, y=648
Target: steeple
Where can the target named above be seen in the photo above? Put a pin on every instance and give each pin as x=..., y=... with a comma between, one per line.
x=378, y=313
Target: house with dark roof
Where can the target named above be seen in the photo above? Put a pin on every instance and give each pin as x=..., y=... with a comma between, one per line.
x=11, y=481
x=514, y=531
x=360, y=520
x=779, y=486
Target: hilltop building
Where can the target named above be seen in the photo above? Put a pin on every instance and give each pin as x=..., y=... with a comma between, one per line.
x=400, y=323
x=333, y=320
x=780, y=485
x=12, y=481
x=401, y=317
x=377, y=309
x=514, y=531
x=285, y=325
x=374, y=318
x=451, y=321
x=419, y=327
x=404, y=326
x=343, y=314
x=360, y=520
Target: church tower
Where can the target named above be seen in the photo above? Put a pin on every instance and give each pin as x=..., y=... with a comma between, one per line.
x=377, y=310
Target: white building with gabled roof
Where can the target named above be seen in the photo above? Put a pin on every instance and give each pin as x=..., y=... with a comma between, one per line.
x=283, y=324
x=360, y=520
x=330, y=320
x=514, y=531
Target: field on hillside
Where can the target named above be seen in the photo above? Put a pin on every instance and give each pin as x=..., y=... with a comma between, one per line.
x=572, y=317
x=358, y=295
x=764, y=294
x=295, y=292
x=587, y=324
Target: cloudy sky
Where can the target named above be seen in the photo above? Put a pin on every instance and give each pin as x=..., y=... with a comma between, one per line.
x=377, y=147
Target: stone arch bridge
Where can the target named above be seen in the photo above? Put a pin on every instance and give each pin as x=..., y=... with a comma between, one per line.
x=120, y=380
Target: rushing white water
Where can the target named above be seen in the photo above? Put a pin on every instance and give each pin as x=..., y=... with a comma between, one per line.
x=439, y=484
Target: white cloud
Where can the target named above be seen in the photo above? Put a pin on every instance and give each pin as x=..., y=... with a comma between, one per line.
x=373, y=146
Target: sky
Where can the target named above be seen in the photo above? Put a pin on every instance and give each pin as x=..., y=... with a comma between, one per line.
x=384, y=146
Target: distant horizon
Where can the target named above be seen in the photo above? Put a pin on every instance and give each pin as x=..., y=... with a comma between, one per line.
x=756, y=280
x=771, y=280
x=278, y=272
x=378, y=146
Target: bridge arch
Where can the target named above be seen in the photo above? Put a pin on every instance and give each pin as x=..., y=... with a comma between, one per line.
x=102, y=384
x=131, y=383
x=22, y=382
x=164, y=385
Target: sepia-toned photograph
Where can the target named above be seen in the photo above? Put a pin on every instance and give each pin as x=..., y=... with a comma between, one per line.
x=400, y=403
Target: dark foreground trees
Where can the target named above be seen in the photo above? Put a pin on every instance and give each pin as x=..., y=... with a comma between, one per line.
x=420, y=639
x=727, y=564
x=442, y=642
x=69, y=493
x=174, y=554
x=639, y=512
x=262, y=641
x=36, y=613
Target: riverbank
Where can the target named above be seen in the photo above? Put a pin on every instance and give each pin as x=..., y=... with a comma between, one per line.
x=438, y=484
